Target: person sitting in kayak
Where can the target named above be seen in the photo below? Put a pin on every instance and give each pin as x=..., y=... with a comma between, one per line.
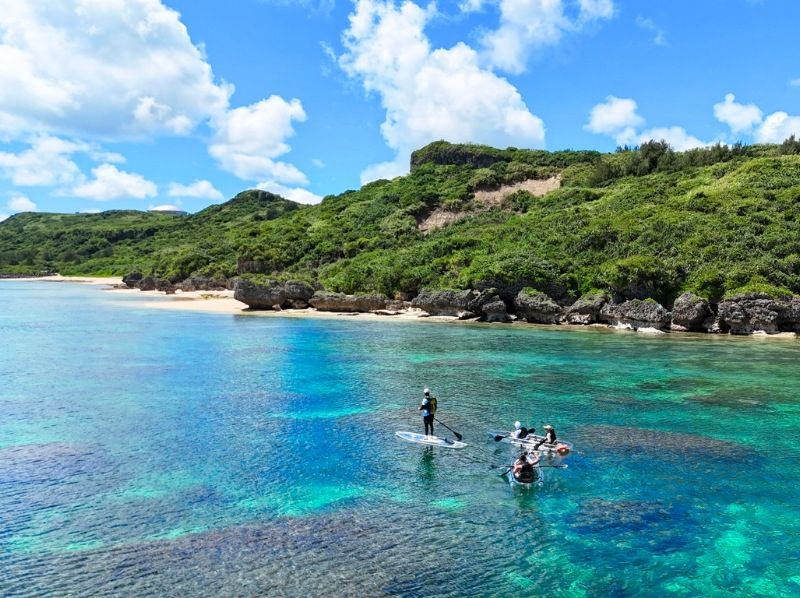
x=428, y=409
x=549, y=436
x=519, y=431
x=522, y=468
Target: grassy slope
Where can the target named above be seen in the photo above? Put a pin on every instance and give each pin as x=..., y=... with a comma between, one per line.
x=648, y=222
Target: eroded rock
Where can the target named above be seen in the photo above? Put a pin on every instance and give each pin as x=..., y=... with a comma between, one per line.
x=586, y=310
x=537, y=307
x=689, y=313
x=326, y=301
x=636, y=314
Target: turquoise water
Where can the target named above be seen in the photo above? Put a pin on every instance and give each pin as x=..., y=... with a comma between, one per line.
x=154, y=452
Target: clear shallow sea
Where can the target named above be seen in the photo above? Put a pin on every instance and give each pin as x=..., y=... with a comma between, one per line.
x=149, y=452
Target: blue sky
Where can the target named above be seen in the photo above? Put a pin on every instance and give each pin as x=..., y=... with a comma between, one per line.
x=109, y=104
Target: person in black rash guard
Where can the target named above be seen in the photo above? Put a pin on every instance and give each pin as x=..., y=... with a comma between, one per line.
x=523, y=468
x=550, y=434
x=428, y=408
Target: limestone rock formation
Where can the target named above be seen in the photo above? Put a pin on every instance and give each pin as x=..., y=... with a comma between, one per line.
x=132, y=280
x=325, y=301
x=636, y=314
x=690, y=313
x=259, y=296
x=753, y=312
x=586, y=310
x=443, y=303
x=537, y=307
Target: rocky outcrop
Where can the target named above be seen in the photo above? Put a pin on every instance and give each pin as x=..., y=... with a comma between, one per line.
x=165, y=286
x=204, y=283
x=465, y=305
x=132, y=280
x=258, y=295
x=148, y=283
x=586, y=310
x=444, y=303
x=272, y=294
x=691, y=313
x=495, y=311
x=325, y=301
x=537, y=307
x=759, y=313
x=636, y=314
x=789, y=316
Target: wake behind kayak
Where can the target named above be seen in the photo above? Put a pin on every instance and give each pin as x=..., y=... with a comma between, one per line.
x=430, y=440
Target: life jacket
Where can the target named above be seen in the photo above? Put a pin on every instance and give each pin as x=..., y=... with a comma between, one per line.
x=432, y=405
x=523, y=432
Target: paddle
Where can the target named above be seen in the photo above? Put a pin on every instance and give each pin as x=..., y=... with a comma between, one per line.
x=508, y=468
x=456, y=434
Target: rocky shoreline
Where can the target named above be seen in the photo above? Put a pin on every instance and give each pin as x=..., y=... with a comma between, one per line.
x=743, y=314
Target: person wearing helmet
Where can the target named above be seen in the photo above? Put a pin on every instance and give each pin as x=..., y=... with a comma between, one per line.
x=520, y=431
x=428, y=409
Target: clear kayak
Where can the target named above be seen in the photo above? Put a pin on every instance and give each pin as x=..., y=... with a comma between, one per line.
x=524, y=482
x=531, y=441
x=430, y=440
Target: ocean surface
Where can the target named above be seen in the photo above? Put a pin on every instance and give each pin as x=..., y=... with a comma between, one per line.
x=162, y=453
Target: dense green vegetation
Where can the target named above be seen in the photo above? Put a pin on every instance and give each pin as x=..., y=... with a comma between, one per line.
x=642, y=222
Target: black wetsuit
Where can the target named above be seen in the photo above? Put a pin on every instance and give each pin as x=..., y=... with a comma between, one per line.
x=427, y=420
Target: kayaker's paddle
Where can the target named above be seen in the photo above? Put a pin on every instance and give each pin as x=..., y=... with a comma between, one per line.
x=456, y=434
x=561, y=466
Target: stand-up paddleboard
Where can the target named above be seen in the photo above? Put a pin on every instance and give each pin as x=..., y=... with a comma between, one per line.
x=430, y=440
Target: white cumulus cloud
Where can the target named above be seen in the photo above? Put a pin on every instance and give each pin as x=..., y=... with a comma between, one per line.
x=46, y=162
x=111, y=183
x=21, y=203
x=619, y=118
x=249, y=138
x=739, y=117
x=777, y=127
x=529, y=24
x=199, y=189
x=428, y=93
x=750, y=119
x=102, y=68
x=121, y=70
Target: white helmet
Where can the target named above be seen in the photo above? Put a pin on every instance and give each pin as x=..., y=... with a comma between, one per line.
x=517, y=425
x=427, y=391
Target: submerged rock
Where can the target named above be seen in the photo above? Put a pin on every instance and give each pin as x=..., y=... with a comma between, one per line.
x=690, y=313
x=586, y=310
x=325, y=301
x=537, y=307
x=636, y=314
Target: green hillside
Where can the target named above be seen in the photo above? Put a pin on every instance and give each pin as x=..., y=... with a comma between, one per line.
x=643, y=222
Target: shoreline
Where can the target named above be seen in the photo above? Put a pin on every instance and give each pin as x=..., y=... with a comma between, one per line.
x=222, y=302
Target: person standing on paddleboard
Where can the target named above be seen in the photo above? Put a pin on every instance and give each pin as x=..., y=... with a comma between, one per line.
x=428, y=409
